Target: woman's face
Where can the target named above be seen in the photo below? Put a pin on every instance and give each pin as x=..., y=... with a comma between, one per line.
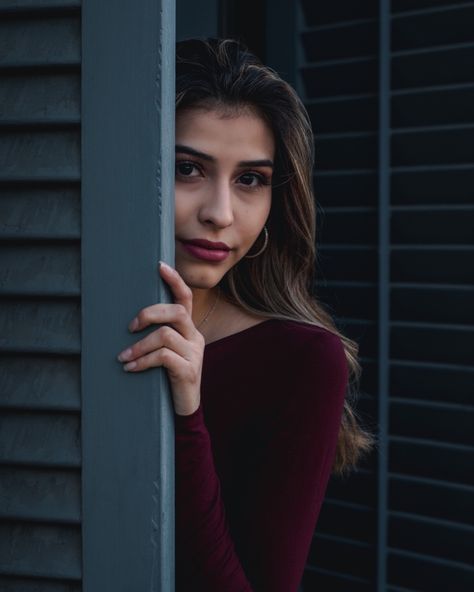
x=223, y=192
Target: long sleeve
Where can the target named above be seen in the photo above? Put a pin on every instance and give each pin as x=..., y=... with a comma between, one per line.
x=266, y=546
x=210, y=561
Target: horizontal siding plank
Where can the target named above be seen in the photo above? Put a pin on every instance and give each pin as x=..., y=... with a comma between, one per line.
x=318, y=13
x=40, y=382
x=432, y=382
x=436, y=226
x=445, y=501
x=347, y=521
x=347, y=264
x=40, y=98
x=39, y=550
x=40, y=155
x=332, y=78
x=39, y=269
x=431, y=537
x=43, y=439
x=321, y=579
x=334, y=188
x=353, y=113
x=453, y=104
x=346, y=39
x=439, y=27
x=428, y=573
x=51, y=326
x=452, y=304
x=353, y=301
x=357, y=150
x=361, y=488
x=444, y=65
x=356, y=227
x=450, y=184
x=433, y=460
x=342, y=555
x=40, y=495
x=51, y=40
x=453, y=266
x=450, y=145
x=40, y=213
x=433, y=343
x=430, y=421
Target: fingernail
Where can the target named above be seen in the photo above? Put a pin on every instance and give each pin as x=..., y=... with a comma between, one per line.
x=125, y=355
x=163, y=264
x=130, y=366
x=133, y=324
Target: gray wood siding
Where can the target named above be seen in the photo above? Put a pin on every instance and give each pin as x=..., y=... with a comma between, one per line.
x=40, y=306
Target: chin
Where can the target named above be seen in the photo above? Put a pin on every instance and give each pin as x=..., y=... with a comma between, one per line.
x=202, y=279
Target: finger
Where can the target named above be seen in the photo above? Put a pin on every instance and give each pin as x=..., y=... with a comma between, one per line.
x=162, y=357
x=163, y=337
x=181, y=291
x=175, y=315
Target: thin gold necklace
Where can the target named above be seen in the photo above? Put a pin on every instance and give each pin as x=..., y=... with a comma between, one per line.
x=209, y=312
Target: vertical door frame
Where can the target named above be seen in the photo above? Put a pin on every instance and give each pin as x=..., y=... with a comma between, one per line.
x=127, y=118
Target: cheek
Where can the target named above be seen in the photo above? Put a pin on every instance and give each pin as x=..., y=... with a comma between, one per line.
x=253, y=217
x=182, y=208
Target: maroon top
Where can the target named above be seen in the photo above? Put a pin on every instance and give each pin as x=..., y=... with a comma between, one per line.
x=253, y=461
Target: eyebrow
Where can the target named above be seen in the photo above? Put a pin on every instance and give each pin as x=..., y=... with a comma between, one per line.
x=209, y=158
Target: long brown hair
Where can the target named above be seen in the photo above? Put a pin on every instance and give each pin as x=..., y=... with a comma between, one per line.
x=279, y=283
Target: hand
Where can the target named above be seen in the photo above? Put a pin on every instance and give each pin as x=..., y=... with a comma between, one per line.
x=176, y=345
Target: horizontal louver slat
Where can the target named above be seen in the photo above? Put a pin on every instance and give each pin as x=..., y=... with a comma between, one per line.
x=45, y=270
x=42, y=439
x=51, y=212
x=445, y=501
x=13, y=584
x=40, y=382
x=44, y=155
x=412, y=570
x=38, y=550
x=49, y=41
x=28, y=5
x=40, y=98
x=42, y=495
x=40, y=312
x=432, y=460
x=42, y=326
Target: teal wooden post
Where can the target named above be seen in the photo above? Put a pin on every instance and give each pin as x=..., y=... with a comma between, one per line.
x=127, y=226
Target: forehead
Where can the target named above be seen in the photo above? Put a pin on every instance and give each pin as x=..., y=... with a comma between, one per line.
x=243, y=134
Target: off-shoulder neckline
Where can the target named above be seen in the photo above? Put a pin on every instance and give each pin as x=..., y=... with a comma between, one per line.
x=253, y=328
x=241, y=332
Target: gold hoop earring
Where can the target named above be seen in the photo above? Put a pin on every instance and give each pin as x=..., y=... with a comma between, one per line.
x=265, y=243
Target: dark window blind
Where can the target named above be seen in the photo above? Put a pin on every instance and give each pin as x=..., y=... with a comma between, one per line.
x=393, y=180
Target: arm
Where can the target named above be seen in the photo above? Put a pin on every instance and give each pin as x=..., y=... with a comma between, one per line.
x=287, y=478
x=210, y=561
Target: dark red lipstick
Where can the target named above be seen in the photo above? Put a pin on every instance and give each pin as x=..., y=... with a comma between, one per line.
x=206, y=250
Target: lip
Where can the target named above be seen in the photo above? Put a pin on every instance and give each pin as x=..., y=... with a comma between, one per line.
x=202, y=242
x=206, y=250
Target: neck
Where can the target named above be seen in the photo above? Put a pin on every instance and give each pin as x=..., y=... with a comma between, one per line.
x=203, y=300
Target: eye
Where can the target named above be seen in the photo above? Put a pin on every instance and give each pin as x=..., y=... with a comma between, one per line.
x=253, y=180
x=186, y=168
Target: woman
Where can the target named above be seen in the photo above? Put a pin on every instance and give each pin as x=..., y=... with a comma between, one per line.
x=259, y=374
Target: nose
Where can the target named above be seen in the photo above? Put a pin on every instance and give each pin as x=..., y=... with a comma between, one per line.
x=217, y=207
